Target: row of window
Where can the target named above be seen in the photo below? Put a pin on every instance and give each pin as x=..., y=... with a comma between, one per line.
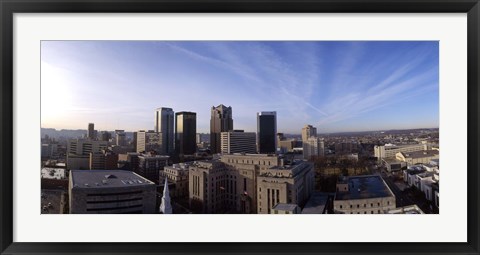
x=364, y=205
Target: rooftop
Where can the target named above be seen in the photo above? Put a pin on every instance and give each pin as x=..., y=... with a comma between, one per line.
x=106, y=178
x=316, y=204
x=285, y=207
x=421, y=154
x=410, y=209
x=363, y=187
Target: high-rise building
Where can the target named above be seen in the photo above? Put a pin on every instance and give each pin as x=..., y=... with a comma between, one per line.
x=120, y=138
x=91, y=131
x=266, y=132
x=237, y=141
x=78, y=152
x=106, y=136
x=185, y=133
x=104, y=160
x=308, y=131
x=149, y=165
x=146, y=141
x=220, y=121
x=164, y=125
x=139, y=141
x=313, y=147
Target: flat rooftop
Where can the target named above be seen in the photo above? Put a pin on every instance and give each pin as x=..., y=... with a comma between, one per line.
x=284, y=207
x=316, y=204
x=421, y=154
x=363, y=187
x=106, y=179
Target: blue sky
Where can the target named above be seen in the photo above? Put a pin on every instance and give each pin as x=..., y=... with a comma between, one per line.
x=335, y=86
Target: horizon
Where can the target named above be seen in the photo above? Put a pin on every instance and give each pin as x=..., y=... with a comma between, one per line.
x=336, y=87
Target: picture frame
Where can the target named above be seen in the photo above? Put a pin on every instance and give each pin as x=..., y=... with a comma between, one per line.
x=9, y=8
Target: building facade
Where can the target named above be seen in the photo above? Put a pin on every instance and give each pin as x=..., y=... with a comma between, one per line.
x=390, y=151
x=150, y=165
x=284, y=184
x=91, y=131
x=78, y=152
x=308, y=131
x=237, y=141
x=177, y=174
x=164, y=124
x=220, y=121
x=185, y=133
x=111, y=192
x=313, y=147
x=266, y=132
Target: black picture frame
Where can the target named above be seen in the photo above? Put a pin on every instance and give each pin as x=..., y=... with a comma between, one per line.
x=9, y=7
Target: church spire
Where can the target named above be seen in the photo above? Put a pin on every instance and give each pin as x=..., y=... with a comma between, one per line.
x=165, y=206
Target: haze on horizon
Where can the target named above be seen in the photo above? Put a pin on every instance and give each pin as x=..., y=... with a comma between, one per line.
x=336, y=86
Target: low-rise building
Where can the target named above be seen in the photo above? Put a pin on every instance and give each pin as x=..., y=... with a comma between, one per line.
x=367, y=194
x=110, y=191
x=417, y=157
x=409, y=209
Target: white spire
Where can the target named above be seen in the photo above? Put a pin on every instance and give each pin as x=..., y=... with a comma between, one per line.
x=165, y=206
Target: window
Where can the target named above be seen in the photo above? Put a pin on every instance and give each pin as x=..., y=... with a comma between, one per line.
x=350, y=206
x=340, y=206
x=364, y=205
x=358, y=206
x=371, y=205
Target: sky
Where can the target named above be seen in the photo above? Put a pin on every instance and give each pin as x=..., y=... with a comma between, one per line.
x=336, y=86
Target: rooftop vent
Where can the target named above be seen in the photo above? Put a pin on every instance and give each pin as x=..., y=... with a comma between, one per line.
x=110, y=176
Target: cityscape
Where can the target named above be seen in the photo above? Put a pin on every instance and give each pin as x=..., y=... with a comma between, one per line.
x=239, y=127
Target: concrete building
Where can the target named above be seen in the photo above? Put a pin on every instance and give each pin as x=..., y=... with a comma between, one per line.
x=308, y=131
x=409, y=209
x=177, y=174
x=111, y=192
x=237, y=141
x=146, y=141
x=241, y=182
x=78, y=152
x=120, y=138
x=394, y=165
x=367, y=194
x=266, y=132
x=185, y=133
x=417, y=157
x=220, y=121
x=313, y=147
x=150, y=165
x=49, y=150
x=282, y=208
x=104, y=160
x=286, y=145
x=164, y=120
x=212, y=187
x=287, y=184
x=390, y=151
x=91, y=131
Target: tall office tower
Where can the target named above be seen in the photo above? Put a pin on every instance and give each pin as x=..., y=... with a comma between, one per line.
x=308, y=131
x=120, y=138
x=313, y=147
x=164, y=125
x=185, y=133
x=237, y=141
x=106, y=136
x=91, y=131
x=139, y=141
x=266, y=132
x=220, y=121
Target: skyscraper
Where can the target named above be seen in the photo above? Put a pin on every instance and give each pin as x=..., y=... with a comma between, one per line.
x=164, y=125
x=220, y=121
x=91, y=131
x=185, y=133
x=266, y=132
x=308, y=131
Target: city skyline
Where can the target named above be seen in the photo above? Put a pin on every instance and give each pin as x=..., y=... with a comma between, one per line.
x=334, y=86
